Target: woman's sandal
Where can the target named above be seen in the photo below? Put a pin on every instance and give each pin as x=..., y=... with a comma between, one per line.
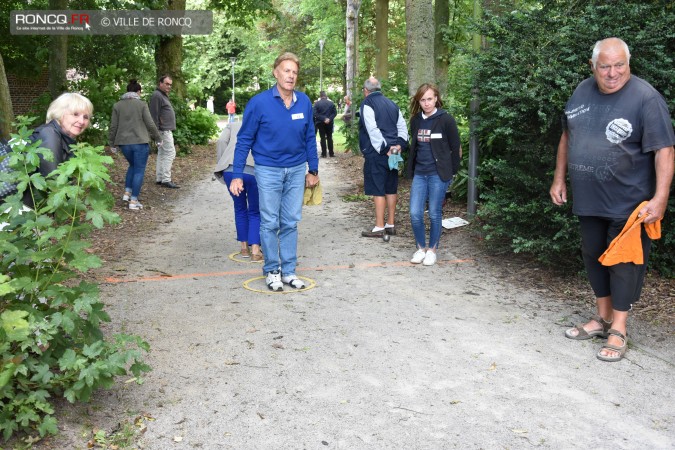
x=244, y=253
x=620, y=349
x=583, y=334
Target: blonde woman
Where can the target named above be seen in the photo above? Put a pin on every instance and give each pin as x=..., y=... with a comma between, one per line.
x=67, y=118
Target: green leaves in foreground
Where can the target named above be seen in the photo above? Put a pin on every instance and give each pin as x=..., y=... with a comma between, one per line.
x=51, y=343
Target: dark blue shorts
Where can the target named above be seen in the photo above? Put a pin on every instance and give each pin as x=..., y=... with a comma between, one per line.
x=378, y=179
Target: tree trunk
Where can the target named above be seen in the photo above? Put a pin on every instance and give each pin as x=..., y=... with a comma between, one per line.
x=419, y=18
x=169, y=54
x=6, y=112
x=352, y=43
x=58, y=56
x=382, y=39
x=441, y=49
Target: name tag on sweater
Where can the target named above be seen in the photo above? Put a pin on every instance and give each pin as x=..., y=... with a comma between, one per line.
x=436, y=135
x=297, y=116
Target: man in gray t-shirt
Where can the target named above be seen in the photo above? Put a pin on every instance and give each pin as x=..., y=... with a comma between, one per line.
x=617, y=145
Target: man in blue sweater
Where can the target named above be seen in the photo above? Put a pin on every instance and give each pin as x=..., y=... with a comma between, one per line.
x=382, y=132
x=278, y=129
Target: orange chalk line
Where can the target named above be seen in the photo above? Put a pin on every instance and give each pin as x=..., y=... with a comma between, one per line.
x=257, y=271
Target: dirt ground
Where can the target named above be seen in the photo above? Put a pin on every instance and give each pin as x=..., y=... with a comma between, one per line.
x=655, y=306
x=367, y=359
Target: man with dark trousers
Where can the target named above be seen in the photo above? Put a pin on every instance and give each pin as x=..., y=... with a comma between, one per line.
x=324, y=114
x=617, y=147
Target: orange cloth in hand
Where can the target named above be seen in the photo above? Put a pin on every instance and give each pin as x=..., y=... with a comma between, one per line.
x=627, y=246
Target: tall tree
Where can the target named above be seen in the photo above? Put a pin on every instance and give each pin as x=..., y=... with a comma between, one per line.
x=352, y=54
x=169, y=54
x=382, y=39
x=6, y=113
x=58, y=55
x=441, y=49
x=420, y=40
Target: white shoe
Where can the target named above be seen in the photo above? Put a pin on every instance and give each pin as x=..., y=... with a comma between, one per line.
x=293, y=282
x=126, y=197
x=418, y=256
x=133, y=204
x=429, y=259
x=274, y=281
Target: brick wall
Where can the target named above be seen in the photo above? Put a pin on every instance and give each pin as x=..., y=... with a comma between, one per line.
x=25, y=90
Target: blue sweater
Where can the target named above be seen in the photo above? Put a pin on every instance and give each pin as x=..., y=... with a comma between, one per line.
x=276, y=136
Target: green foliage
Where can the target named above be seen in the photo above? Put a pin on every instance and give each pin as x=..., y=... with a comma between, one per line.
x=192, y=126
x=535, y=58
x=103, y=88
x=51, y=343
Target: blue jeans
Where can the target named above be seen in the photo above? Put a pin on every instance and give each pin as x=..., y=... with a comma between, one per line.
x=246, y=212
x=431, y=188
x=137, y=155
x=280, y=191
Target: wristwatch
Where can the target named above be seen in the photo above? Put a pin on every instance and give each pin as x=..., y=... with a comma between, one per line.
x=313, y=172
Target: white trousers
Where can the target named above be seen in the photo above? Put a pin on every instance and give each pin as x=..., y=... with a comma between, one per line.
x=166, y=153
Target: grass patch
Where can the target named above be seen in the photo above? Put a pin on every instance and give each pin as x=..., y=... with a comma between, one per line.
x=355, y=198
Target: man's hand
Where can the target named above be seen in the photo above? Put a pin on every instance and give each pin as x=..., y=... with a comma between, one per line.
x=394, y=150
x=326, y=121
x=236, y=186
x=655, y=209
x=558, y=192
x=311, y=180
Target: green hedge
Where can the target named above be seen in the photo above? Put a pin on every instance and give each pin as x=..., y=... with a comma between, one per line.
x=535, y=58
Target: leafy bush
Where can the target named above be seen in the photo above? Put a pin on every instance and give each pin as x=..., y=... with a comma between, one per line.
x=193, y=127
x=535, y=58
x=103, y=88
x=51, y=343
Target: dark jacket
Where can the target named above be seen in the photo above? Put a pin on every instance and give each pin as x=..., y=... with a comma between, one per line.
x=162, y=111
x=324, y=109
x=445, y=145
x=387, y=116
x=53, y=138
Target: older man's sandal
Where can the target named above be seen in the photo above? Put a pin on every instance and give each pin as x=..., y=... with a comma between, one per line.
x=621, y=349
x=583, y=334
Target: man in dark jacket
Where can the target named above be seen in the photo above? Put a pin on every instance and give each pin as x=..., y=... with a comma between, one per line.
x=382, y=132
x=164, y=117
x=324, y=114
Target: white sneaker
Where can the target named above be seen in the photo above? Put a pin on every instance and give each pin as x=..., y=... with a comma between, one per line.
x=429, y=259
x=273, y=281
x=135, y=205
x=293, y=282
x=126, y=197
x=418, y=256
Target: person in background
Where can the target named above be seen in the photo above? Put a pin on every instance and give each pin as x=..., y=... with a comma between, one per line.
x=278, y=128
x=435, y=153
x=347, y=115
x=324, y=115
x=67, y=118
x=246, y=211
x=164, y=117
x=231, y=108
x=382, y=132
x=617, y=145
x=131, y=127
